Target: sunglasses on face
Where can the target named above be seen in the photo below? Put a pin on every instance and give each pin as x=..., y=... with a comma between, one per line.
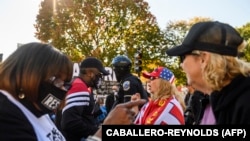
x=99, y=75
x=182, y=57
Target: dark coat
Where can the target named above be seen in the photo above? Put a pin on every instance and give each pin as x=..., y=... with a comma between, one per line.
x=231, y=105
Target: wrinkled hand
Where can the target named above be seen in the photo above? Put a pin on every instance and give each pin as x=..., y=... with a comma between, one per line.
x=123, y=114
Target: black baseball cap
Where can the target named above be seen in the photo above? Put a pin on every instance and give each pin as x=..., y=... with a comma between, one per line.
x=92, y=62
x=211, y=36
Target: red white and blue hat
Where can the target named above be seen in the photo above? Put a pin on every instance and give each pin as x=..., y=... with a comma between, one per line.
x=160, y=72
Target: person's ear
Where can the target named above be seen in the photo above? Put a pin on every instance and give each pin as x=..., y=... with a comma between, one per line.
x=205, y=57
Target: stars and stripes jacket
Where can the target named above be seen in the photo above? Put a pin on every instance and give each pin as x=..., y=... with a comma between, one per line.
x=161, y=112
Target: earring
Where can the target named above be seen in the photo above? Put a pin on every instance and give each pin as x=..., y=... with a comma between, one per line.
x=21, y=96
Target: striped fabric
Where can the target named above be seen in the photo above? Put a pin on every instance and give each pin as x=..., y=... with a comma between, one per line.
x=78, y=95
x=161, y=112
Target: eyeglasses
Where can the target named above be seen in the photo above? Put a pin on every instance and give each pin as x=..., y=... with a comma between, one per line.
x=59, y=83
x=182, y=58
x=99, y=75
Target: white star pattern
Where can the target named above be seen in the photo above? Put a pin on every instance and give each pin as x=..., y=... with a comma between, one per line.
x=167, y=74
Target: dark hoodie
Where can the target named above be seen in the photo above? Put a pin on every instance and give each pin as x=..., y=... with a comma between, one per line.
x=231, y=105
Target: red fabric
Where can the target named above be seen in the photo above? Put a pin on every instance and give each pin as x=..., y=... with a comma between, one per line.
x=161, y=112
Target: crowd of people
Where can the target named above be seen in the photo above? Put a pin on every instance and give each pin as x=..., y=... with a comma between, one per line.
x=36, y=80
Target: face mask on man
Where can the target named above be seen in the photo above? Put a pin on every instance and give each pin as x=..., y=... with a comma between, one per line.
x=97, y=82
x=50, y=97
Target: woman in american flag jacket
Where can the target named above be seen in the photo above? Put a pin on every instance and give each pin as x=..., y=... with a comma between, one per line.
x=166, y=105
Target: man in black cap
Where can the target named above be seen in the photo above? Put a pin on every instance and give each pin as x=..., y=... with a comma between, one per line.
x=78, y=119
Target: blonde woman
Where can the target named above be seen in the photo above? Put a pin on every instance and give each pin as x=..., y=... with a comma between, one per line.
x=166, y=105
x=209, y=57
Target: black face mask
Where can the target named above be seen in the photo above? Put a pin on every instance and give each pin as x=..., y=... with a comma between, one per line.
x=118, y=75
x=50, y=97
x=96, y=82
x=120, y=72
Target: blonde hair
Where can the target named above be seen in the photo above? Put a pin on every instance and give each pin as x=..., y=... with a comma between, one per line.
x=166, y=90
x=222, y=68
